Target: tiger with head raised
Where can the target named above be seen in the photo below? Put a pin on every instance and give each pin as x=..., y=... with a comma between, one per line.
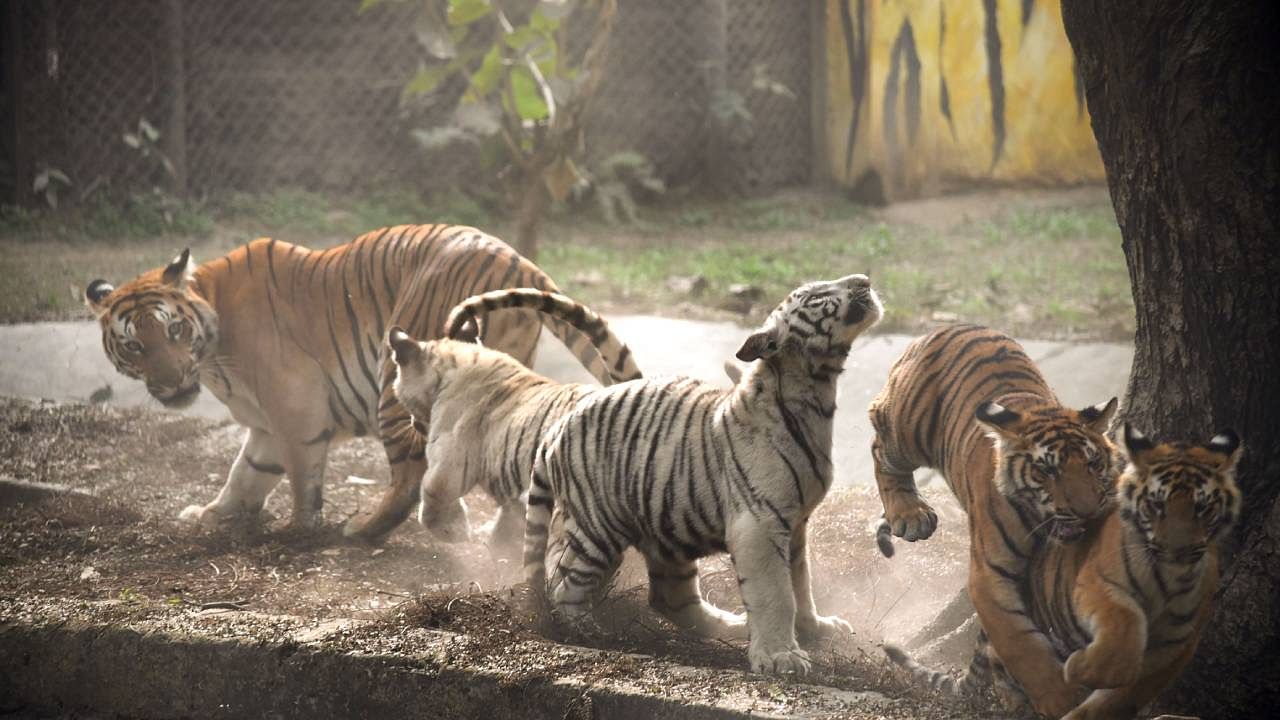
x=967, y=401
x=1126, y=605
x=290, y=340
x=680, y=469
x=488, y=412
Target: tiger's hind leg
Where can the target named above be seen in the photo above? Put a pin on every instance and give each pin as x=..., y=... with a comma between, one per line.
x=407, y=458
x=507, y=535
x=810, y=626
x=906, y=514
x=674, y=592
x=580, y=570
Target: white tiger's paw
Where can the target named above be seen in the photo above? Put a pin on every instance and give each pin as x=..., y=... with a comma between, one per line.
x=820, y=627
x=202, y=515
x=788, y=662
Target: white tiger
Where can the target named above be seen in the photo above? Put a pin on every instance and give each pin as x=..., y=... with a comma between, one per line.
x=488, y=411
x=681, y=469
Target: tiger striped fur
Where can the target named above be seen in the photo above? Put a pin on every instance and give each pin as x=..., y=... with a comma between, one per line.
x=681, y=469
x=290, y=340
x=1026, y=465
x=488, y=411
x=1129, y=602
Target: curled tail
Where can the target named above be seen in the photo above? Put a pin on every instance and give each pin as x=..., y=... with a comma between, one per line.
x=970, y=685
x=601, y=352
x=537, y=526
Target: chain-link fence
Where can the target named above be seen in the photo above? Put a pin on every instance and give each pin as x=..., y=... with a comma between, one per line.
x=250, y=95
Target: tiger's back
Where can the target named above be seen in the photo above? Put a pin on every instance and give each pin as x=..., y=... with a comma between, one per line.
x=924, y=415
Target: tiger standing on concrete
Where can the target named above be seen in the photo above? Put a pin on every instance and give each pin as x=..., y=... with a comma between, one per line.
x=489, y=412
x=967, y=401
x=681, y=469
x=291, y=341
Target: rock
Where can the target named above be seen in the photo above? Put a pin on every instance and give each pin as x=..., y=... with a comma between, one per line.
x=590, y=278
x=688, y=285
x=746, y=291
x=90, y=573
x=940, y=316
x=1022, y=313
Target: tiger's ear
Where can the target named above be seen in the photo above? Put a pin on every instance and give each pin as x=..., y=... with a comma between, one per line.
x=998, y=419
x=404, y=349
x=762, y=344
x=732, y=371
x=179, y=271
x=1227, y=443
x=1097, y=417
x=95, y=296
x=1137, y=446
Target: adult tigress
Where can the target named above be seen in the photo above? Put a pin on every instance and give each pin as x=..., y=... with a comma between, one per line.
x=1027, y=463
x=1128, y=603
x=290, y=340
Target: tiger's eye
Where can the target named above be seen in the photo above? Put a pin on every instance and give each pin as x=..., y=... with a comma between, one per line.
x=133, y=346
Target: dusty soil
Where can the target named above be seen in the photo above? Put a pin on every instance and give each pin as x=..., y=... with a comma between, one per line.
x=121, y=543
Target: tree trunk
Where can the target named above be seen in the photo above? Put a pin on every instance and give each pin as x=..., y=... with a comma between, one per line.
x=533, y=205
x=1183, y=95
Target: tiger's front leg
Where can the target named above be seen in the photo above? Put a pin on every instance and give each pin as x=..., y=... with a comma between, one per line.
x=305, y=465
x=810, y=626
x=760, y=550
x=254, y=474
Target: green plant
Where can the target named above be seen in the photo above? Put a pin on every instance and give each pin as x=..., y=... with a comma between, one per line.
x=48, y=183
x=525, y=92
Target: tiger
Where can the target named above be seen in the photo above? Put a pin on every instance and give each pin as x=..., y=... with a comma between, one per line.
x=1028, y=466
x=680, y=469
x=1127, y=605
x=290, y=340
x=488, y=411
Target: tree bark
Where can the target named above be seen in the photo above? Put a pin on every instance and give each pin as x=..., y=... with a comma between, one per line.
x=1183, y=96
x=533, y=205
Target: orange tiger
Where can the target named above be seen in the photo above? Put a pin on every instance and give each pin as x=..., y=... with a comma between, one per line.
x=290, y=340
x=1027, y=466
x=1128, y=604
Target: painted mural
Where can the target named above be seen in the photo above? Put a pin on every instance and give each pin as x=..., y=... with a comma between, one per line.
x=925, y=95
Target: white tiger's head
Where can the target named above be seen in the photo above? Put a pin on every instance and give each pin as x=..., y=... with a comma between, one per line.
x=155, y=329
x=820, y=319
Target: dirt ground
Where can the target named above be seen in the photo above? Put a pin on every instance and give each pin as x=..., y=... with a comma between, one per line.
x=121, y=542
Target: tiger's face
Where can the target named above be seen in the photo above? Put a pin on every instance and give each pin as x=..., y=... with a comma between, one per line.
x=1180, y=497
x=819, y=318
x=1055, y=461
x=418, y=379
x=154, y=330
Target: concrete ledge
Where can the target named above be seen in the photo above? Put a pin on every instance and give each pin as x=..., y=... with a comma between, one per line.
x=151, y=670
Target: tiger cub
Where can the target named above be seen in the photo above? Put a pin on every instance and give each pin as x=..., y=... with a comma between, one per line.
x=488, y=411
x=681, y=469
x=1128, y=603
x=1026, y=466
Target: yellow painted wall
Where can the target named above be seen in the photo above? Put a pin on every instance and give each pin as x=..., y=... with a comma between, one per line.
x=1047, y=137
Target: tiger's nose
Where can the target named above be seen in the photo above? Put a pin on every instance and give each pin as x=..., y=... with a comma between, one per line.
x=855, y=282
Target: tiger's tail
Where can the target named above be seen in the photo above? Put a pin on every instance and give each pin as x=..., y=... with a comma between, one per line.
x=975, y=678
x=884, y=541
x=602, y=353
x=537, y=528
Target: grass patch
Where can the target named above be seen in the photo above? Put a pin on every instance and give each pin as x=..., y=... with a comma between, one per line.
x=1031, y=269
x=1044, y=272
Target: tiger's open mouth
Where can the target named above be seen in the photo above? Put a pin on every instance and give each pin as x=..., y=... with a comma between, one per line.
x=180, y=399
x=1067, y=531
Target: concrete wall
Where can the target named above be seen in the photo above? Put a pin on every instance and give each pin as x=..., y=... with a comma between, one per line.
x=919, y=95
